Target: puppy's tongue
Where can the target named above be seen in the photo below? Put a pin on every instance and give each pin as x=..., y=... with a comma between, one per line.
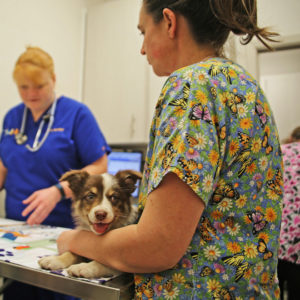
x=100, y=228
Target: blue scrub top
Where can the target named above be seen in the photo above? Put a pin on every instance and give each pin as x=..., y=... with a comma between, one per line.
x=74, y=141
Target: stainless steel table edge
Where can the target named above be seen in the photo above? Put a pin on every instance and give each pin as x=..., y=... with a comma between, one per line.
x=66, y=285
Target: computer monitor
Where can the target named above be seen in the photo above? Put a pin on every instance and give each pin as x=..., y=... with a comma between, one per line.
x=119, y=160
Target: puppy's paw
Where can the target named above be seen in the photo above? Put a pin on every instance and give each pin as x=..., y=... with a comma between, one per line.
x=81, y=270
x=90, y=270
x=52, y=262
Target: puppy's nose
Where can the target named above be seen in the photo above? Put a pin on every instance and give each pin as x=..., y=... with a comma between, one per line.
x=100, y=215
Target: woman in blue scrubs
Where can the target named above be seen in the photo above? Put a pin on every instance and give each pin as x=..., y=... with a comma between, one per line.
x=42, y=138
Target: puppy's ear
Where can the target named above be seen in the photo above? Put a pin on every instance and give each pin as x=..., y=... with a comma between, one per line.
x=76, y=179
x=127, y=179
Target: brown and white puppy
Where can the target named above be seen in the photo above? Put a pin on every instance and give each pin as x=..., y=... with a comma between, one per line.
x=100, y=203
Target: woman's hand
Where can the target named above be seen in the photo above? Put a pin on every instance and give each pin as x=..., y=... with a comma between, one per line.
x=40, y=204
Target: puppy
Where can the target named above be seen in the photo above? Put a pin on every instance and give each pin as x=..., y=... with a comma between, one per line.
x=100, y=203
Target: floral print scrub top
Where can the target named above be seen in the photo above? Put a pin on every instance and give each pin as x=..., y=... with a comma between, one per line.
x=290, y=227
x=213, y=127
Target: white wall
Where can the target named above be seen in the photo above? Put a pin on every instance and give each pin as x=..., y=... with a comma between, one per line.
x=54, y=25
x=282, y=16
x=115, y=75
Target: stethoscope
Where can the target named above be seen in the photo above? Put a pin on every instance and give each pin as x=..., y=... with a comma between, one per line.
x=21, y=137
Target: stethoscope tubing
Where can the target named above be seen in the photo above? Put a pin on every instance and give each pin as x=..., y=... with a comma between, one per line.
x=21, y=138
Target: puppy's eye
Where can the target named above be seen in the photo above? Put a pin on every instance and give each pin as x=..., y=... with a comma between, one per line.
x=113, y=199
x=90, y=196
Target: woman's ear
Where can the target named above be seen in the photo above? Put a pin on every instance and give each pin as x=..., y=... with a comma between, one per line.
x=170, y=20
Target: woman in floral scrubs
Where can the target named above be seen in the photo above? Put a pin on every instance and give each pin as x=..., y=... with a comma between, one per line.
x=289, y=252
x=212, y=184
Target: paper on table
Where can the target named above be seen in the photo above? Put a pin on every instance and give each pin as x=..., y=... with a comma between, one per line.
x=24, y=245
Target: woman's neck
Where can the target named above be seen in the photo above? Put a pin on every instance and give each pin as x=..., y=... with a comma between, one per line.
x=36, y=114
x=186, y=50
x=38, y=111
x=192, y=55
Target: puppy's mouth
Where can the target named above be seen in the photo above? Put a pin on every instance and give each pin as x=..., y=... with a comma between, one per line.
x=100, y=228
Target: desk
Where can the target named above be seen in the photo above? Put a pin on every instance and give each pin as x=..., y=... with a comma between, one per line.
x=20, y=247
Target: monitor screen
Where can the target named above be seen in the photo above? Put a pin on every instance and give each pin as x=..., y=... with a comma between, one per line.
x=125, y=161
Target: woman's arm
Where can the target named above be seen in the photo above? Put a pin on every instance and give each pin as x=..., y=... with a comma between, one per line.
x=97, y=167
x=156, y=243
x=3, y=172
x=43, y=201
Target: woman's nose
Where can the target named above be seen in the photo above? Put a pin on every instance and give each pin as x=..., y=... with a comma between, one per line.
x=33, y=91
x=143, y=52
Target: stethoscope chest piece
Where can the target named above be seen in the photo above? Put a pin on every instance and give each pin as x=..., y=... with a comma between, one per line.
x=21, y=138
